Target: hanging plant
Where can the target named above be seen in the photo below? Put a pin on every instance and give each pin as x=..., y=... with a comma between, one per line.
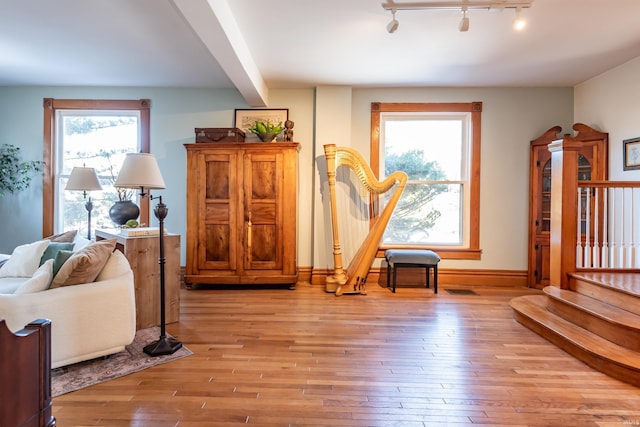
x=15, y=175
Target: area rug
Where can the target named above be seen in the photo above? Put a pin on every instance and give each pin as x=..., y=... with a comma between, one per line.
x=132, y=359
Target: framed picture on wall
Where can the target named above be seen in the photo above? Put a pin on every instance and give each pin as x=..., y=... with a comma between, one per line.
x=631, y=153
x=244, y=119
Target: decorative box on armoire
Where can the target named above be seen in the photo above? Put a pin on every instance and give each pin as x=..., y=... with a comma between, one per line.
x=242, y=213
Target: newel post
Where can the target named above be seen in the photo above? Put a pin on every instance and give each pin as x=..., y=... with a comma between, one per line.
x=564, y=210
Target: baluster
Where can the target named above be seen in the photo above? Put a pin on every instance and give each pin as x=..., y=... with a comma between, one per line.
x=579, y=258
x=624, y=238
x=605, y=230
x=596, y=238
x=613, y=243
x=587, y=228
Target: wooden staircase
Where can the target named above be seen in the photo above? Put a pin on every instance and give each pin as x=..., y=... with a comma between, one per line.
x=596, y=320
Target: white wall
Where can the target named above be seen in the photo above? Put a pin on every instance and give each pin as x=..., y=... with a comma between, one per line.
x=511, y=118
x=609, y=103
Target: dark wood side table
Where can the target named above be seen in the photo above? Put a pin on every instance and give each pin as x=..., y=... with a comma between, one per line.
x=143, y=253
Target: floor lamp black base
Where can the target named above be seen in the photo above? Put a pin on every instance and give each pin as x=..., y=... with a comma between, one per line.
x=164, y=346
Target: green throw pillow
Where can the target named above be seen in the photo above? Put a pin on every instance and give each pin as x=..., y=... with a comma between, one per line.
x=61, y=257
x=52, y=250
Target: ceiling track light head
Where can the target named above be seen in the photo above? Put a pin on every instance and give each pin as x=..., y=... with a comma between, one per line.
x=393, y=25
x=519, y=22
x=464, y=22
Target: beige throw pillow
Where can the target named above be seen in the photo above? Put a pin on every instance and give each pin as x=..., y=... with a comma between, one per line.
x=40, y=280
x=66, y=237
x=84, y=265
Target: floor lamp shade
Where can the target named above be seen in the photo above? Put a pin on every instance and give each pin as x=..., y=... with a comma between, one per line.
x=140, y=170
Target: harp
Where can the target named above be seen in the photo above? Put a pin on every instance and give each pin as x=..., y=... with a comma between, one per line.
x=353, y=278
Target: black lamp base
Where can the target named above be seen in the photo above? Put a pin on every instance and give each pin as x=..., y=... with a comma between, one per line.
x=165, y=345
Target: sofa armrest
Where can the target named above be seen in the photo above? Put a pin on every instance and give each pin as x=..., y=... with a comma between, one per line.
x=84, y=318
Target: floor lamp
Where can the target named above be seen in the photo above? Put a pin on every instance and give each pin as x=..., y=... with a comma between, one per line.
x=84, y=179
x=140, y=170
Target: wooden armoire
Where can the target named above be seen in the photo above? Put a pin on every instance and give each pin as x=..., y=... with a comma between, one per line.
x=241, y=213
x=592, y=165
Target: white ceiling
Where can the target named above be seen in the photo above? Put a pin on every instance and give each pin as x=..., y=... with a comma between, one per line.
x=255, y=45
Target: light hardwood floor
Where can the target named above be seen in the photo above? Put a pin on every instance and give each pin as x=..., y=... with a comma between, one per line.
x=308, y=358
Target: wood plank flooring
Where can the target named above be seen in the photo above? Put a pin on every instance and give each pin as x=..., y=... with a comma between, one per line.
x=275, y=357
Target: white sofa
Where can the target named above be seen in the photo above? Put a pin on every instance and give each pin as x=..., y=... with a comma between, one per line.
x=88, y=320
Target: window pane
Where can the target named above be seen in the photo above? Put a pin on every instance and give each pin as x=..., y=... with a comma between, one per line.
x=430, y=149
x=438, y=142
x=97, y=139
x=427, y=214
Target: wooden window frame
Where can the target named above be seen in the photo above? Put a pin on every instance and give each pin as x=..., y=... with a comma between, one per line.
x=472, y=251
x=48, y=182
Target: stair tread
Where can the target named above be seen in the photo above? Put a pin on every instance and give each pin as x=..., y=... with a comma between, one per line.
x=534, y=307
x=602, y=309
x=628, y=283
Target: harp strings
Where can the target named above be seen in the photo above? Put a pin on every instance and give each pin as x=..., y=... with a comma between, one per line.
x=354, y=211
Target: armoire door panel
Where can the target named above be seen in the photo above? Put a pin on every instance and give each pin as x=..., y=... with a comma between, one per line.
x=217, y=183
x=264, y=213
x=217, y=243
x=263, y=177
x=263, y=251
x=217, y=213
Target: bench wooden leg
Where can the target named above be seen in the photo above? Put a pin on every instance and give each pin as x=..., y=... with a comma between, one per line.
x=435, y=278
x=395, y=269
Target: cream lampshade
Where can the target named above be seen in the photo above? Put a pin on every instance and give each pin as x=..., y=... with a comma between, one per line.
x=140, y=170
x=84, y=179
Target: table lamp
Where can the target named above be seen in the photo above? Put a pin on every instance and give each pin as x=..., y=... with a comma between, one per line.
x=84, y=179
x=140, y=170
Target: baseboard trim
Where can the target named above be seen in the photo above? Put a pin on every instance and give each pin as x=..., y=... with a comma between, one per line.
x=464, y=277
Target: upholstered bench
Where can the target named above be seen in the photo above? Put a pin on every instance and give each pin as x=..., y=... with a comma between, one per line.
x=412, y=258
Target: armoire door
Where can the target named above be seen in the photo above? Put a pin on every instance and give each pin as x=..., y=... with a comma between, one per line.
x=263, y=180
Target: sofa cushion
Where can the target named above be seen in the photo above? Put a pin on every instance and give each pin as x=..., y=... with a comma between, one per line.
x=40, y=280
x=84, y=265
x=8, y=285
x=24, y=260
x=66, y=237
x=61, y=257
x=52, y=250
x=117, y=265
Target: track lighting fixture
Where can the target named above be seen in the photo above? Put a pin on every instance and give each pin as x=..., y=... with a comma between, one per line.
x=462, y=5
x=393, y=25
x=464, y=22
x=519, y=23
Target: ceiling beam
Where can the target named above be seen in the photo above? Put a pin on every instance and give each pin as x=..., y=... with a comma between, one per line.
x=213, y=22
